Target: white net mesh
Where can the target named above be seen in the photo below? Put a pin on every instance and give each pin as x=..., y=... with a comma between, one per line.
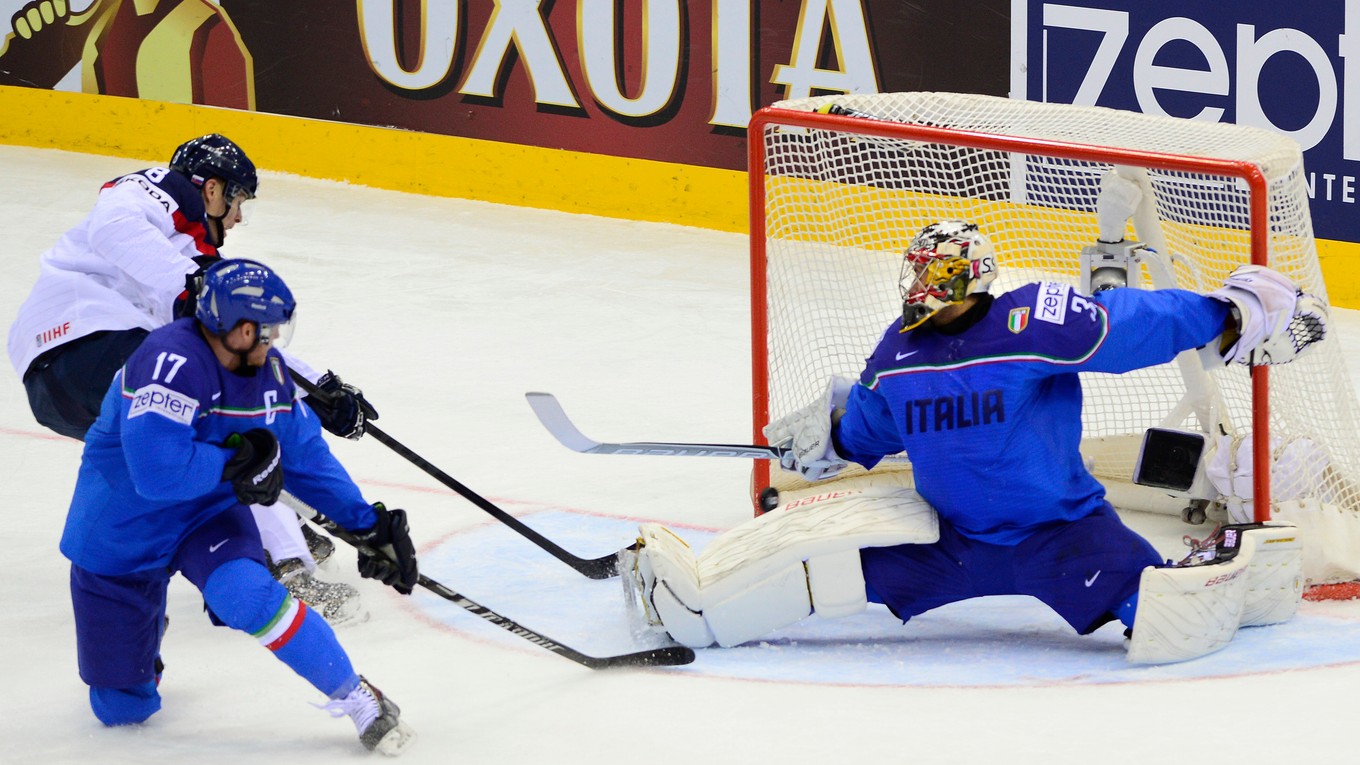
x=840, y=206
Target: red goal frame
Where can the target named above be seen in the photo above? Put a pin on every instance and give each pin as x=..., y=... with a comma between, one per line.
x=1250, y=173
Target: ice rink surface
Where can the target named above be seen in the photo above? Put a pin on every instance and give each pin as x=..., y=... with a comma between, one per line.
x=446, y=312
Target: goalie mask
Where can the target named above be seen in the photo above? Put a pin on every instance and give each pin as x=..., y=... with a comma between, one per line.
x=944, y=264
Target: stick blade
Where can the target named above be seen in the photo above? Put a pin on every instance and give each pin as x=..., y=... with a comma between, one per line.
x=667, y=656
x=554, y=418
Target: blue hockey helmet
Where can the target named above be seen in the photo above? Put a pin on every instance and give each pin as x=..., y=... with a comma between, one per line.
x=216, y=156
x=237, y=290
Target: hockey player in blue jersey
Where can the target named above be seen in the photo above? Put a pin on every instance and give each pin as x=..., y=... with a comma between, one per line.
x=982, y=393
x=201, y=422
x=116, y=276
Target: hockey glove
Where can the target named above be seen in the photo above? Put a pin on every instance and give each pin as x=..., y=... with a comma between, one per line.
x=1274, y=321
x=807, y=434
x=255, y=471
x=186, y=305
x=394, y=561
x=346, y=412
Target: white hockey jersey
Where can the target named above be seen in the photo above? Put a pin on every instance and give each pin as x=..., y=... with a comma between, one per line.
x=120, y=268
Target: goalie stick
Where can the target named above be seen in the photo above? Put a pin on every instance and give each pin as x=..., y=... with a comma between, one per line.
x=595, y=568
x=666, y=656
x=555, y=419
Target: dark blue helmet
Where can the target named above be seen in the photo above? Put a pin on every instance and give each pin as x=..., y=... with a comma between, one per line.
x=215, y=156
x=237, y=290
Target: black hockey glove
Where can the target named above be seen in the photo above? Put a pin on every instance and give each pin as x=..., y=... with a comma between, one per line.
x=186, y=305
x=346, y=412
x=395, y=560
x=255, y=471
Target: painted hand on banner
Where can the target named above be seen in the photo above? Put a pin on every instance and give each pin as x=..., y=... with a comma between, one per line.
x=46, y=43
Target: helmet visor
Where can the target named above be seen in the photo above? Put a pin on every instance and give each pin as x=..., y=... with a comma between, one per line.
x=278, y=335
x=234, y=189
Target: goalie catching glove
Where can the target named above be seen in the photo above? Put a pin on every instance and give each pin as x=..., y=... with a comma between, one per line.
x=344, y=412
x=806, y=433
x=1275, y=321
x=393, y=561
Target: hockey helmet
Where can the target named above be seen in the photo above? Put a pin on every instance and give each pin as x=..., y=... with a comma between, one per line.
x=216, y=156
x=237, y=290
x=945, y=263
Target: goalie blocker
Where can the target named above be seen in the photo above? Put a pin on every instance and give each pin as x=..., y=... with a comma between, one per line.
x=803, y=558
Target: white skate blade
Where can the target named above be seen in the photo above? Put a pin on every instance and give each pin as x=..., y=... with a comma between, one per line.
x=358, y=615
x=346, y=613
x=396, y=741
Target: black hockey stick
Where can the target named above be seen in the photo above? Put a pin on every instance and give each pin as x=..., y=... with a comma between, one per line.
x=666, y=656
x=555, y=419
x=595, y=568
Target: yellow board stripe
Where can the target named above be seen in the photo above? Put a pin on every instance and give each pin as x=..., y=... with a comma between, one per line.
x=385, y=158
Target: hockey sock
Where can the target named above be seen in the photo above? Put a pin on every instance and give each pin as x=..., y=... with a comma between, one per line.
x=1127, y=611
x=125, y=706
x=245, y=597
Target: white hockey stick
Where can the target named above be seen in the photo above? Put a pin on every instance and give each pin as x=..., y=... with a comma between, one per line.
x=551, y=414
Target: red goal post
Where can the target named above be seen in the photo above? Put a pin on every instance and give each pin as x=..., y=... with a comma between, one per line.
x=835, y=196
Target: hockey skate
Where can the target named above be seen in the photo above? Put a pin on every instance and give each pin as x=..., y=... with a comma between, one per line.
x=321, y=547
x=376, y=718
x=338, y=603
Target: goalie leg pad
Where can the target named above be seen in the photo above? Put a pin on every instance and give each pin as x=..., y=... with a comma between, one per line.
x=1274, y=574
x=775, y=600
x=836, y=584
x=803, y=556
x=1186, y=613
x=775, y=569
x=831, y=585
x=667, y=580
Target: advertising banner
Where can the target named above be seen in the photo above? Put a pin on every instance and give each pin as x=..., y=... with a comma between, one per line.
x=669, y=80
x=1290, y=67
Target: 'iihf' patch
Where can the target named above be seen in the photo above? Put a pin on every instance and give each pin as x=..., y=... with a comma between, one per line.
x=278, y=369
x=1018, y=320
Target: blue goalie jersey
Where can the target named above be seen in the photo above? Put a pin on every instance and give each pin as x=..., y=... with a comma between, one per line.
x=152, y=467
x=991, y=416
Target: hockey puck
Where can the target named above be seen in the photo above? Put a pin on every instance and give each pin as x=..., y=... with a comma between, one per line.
x=769, y=499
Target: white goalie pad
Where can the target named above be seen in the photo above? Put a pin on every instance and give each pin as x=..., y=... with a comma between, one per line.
x=1274, y=574
x=778, y=568
x=667, y=581
x=1188, y=612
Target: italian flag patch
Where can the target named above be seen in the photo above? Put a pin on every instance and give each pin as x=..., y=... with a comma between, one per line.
x=1018, y=320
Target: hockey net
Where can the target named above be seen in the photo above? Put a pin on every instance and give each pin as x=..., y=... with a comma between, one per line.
x=840, y=184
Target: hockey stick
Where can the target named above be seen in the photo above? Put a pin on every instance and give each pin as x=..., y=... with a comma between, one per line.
x=595, y=568
x=555, y=419
x=666, y=656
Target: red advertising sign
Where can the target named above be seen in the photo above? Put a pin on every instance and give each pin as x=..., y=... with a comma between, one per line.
x=670, y=80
